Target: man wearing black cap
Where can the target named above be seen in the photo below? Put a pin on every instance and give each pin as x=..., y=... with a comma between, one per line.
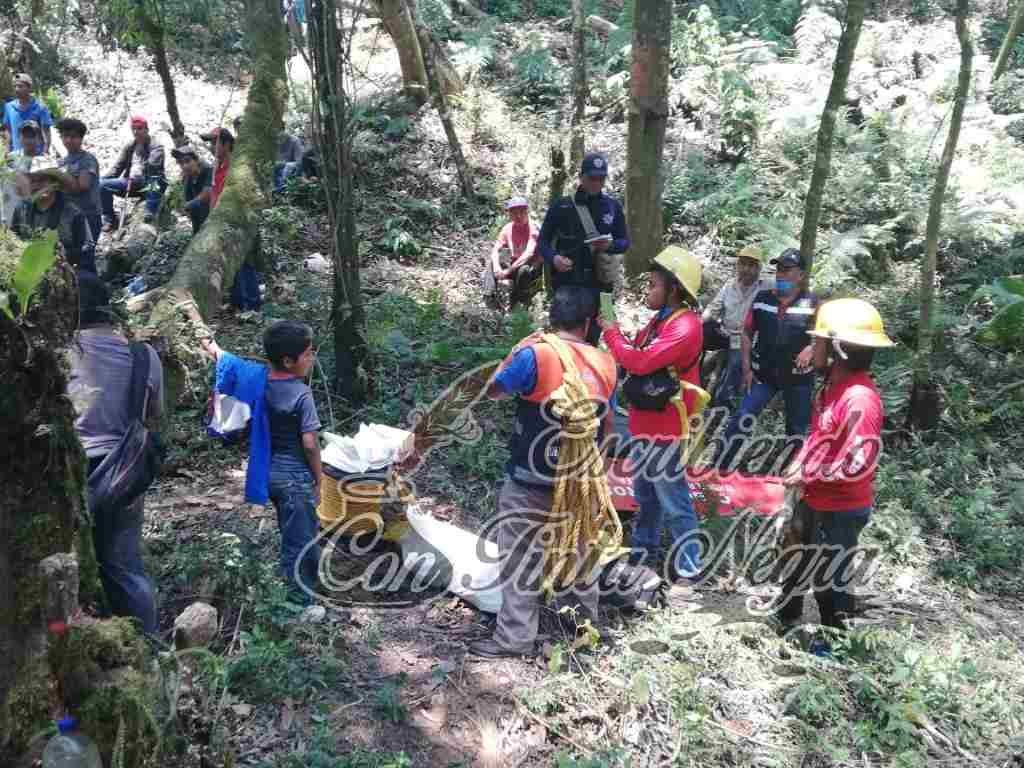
x=584, y=235
x=197, y=177
x=776, y=353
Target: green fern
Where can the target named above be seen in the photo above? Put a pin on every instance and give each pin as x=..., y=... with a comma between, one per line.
x=817, y=29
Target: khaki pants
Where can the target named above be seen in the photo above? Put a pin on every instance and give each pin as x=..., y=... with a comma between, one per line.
x=523, y=510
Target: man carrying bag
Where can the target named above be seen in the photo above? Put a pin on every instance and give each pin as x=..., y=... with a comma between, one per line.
x=117, y=389
x=583, y=237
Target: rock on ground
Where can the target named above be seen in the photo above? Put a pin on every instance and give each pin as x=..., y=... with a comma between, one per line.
x=196, y=626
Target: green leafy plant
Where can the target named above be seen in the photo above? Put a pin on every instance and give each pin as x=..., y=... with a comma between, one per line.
x=536, y=77
x=388, y=700
x=1005, y=329
x=1008, y=94
x=397, y=239
x=36, y=260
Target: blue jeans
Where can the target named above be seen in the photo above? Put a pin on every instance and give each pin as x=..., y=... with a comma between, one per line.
x=729, y=383
x=117, y=538
x=834, y=535
x=284, y=171
x=660, y=489
x=797, y=398
x=111, y=186
x=293, y=493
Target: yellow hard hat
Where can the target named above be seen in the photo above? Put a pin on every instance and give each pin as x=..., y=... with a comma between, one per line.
x=681, y=263
x=753, y=252
x=853, y=321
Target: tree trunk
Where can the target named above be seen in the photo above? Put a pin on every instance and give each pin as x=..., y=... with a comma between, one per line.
x=579, y=84
x=440, y=99
x=333, y=133
x=42, y=509
x=558, y=175
x=923, y=398
x=214, y=256
x=823, y=156
x=153, y=30
x=1015, y=30
x=648, y=113
x=398, y=21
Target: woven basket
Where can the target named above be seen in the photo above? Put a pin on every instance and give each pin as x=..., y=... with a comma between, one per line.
x=353, y=503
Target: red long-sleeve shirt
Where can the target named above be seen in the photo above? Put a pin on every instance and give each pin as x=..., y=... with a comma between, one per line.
x=841, y=454
x=678, y=343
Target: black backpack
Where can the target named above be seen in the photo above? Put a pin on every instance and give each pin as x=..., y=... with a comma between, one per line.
x=127, y=471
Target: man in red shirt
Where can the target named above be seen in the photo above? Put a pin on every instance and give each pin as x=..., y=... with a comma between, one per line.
x=836, y=466
x=223, y=145
x=526, y=264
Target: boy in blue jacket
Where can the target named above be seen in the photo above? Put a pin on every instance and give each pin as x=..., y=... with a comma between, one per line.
x=285, y=425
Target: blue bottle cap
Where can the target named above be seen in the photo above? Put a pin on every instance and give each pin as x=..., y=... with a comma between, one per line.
x=66, y=724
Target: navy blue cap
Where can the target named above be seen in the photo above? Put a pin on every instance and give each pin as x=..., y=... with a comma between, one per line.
x=594, y=164
x=789, y=258
x=67, y=724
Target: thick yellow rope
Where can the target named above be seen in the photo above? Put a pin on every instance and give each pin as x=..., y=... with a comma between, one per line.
x=582, y=511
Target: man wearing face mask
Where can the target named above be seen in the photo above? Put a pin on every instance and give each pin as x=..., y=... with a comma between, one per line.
x=775, y=352
x=584, y=236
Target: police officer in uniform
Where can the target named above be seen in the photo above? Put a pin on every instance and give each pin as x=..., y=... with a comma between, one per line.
x=584, y=236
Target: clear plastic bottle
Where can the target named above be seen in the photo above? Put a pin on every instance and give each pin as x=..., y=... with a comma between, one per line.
x=70, y=748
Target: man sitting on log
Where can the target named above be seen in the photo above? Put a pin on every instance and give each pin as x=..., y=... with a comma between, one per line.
x=198, y=181
x=49, y=209
x=526, y=265
x=139, y=170
x=20, y=161
x=289, y=159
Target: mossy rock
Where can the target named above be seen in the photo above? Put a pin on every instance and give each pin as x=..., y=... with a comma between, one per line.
x=123, y=707
x=11, y=248
x=28, y=707
x=107, y=678
x=88, y=650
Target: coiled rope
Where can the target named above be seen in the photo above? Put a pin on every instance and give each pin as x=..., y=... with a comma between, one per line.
x=583, y=516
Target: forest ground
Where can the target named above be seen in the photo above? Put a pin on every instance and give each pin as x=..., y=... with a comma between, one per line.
x=700, y=683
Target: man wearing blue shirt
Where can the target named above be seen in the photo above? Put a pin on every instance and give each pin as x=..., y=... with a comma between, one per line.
x=584, y=235
x=21, y=109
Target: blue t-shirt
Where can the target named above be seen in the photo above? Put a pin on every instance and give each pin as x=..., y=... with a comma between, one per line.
x=291, y=413
x=14, y=116
x=519, y=377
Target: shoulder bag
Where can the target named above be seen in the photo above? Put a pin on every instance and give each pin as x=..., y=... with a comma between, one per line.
x=127, y=471
x=653, y=391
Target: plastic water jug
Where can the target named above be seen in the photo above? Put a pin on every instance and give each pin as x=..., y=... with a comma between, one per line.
x=70, y=748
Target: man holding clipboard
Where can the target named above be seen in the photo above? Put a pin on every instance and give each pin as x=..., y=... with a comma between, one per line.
x=584, y=236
